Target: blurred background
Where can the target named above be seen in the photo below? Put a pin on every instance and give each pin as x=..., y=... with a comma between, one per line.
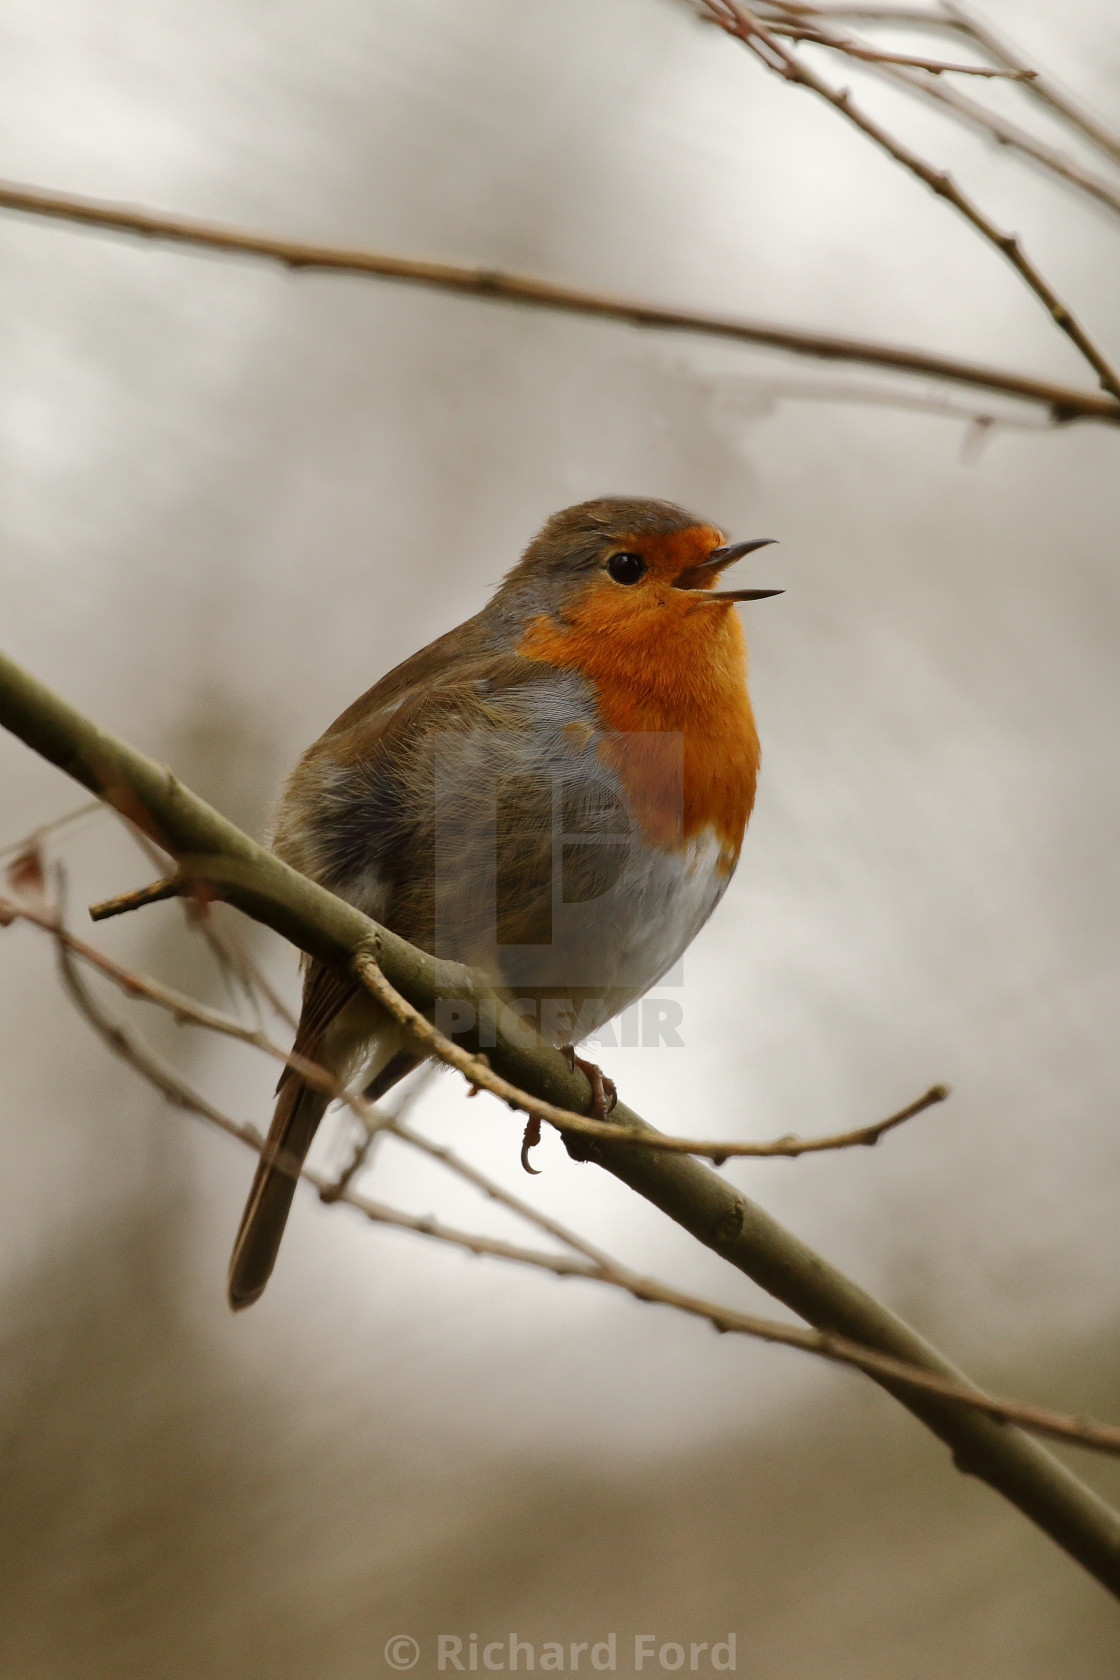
x=232, y=498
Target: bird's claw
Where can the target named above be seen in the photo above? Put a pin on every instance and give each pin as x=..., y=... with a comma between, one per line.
x=529, y=1141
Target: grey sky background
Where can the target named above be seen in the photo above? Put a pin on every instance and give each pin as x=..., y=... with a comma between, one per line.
x=232, y=498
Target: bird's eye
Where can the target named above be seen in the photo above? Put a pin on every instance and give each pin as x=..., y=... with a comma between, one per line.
x=626, y=568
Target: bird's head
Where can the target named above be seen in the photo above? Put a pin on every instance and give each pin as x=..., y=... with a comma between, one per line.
x=624, y=563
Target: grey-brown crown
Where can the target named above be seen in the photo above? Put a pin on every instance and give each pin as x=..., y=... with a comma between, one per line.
x=573, y=539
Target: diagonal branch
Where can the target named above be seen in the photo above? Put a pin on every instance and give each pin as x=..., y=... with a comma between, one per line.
x=593, y=1264
x=1064, y=402
x=702, y=1203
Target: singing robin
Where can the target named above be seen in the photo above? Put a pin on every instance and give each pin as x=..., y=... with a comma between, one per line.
x=555, y=792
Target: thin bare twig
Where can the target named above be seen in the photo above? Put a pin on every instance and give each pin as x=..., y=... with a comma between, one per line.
x=962, y=106
x=970, y=111
x=498, y=1193
x=232, y=954
x=1040, y=87
x=745, y=25
x=184, y=1008
x=778, y=391
x=1004, y=132
x=237, y=961
x=865, y=53
x=79, y=814
x=233, y=957
x=388, y=1119
x=181, y=1006
x=979, y=117
x=170, y=886
x=1079, y=1431
x=1064, y=402
x=125, y=1044
x=909, y=17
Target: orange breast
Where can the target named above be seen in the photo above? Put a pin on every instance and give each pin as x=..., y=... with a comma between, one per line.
x=662, y=665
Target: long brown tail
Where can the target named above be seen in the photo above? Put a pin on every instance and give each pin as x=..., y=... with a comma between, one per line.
x=294, y=1124
x=299, y=1110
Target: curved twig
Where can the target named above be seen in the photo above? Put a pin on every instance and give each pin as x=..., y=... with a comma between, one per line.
x=478, y=1072
x=474, y=1068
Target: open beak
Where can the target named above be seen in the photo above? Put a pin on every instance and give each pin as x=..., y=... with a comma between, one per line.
x=743, y=594
x=700, y=577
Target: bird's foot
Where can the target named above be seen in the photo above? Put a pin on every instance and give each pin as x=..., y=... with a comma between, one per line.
x=604, y=1097
x=604, y=1091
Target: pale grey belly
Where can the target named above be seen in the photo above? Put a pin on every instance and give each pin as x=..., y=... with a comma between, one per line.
x=607, y=953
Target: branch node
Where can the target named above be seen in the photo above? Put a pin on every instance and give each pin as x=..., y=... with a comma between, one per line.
x=730, y=1227
x=171, y=886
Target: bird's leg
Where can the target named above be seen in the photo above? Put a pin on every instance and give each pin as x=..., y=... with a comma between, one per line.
x=604, y=1096
x=604, y=1091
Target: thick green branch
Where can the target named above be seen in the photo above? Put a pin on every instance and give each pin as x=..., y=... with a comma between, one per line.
x=713, y=1211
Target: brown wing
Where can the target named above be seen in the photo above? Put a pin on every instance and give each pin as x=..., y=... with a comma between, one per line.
x=434, y=809
x=394, y=808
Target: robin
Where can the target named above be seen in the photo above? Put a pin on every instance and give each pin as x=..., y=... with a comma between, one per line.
x=555, y=792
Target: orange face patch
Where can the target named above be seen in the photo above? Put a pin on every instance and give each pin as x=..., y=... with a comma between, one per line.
x=673, y=553
x=663, y=662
